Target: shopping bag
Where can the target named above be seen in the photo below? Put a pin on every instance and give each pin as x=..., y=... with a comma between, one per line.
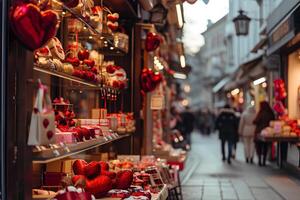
x=42, y=125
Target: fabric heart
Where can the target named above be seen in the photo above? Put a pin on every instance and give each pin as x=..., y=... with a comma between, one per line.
x=79, y=167
x=152, y=41
x=92, y=169
x=33, y=27
x=150, y=80
x=45, y=123
x=99, y=186
x=50, y=134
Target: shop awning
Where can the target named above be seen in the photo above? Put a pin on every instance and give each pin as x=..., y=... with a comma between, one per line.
x=282, y=25
x=220, y=84
x=263, y=42
x=248, y=71
x=251, y=69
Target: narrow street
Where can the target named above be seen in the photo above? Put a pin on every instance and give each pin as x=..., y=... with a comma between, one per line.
x=206, y=177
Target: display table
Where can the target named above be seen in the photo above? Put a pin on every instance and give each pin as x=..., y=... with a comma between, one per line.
x=279, y=140
x=162, y=195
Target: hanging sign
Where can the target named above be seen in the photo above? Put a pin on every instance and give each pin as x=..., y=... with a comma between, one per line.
x=157, y=102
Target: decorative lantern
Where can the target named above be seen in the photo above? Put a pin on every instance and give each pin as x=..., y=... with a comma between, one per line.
x=241, y=23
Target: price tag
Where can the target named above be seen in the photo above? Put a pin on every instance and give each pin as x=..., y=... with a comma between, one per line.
x=157, y=102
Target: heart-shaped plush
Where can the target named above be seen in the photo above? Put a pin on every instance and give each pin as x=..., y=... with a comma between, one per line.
x=150, y=80
x=152, y=41
x=45, y=123
x=99, y=186
x=31, y=26
x=124, y=179
x=50, y=134
x=92, y=169
x=79, y=167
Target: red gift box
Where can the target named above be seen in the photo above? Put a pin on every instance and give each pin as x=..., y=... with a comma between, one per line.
x=53, y=178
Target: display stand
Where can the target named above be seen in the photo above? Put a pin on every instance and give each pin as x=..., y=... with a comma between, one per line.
x=279, y=140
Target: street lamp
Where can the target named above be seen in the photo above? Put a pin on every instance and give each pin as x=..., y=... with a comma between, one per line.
x=241, y=23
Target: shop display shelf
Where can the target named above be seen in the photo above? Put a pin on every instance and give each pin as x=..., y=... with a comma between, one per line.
x=60, y=151
x=65, y=76
x=103, y=42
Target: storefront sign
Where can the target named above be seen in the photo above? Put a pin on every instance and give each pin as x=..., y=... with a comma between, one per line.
x=281, y=31
x=157, y=102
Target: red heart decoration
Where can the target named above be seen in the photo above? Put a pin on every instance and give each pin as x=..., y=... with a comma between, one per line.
x=124, y=179
x=45, y=123
x=50, y=134
x=79, y=167
x=33, y=27
x=152, y=41
x=92, y=169
x=150, y=80
x=99, y=186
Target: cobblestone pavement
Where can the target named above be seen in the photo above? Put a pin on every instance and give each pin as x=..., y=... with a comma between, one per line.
x=206, y=177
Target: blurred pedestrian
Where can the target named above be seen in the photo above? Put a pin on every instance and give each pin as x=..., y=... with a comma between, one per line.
x=199, y=121
x=246, y=131
x=208, y=121
x=227, y=124
x=188, y=121
x=236, y=138
x=262, y=120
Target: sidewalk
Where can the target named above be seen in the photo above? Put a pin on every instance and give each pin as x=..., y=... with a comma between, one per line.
x=206, y=177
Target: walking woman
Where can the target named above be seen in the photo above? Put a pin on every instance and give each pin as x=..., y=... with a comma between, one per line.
x=262, y=120
x=246, y=131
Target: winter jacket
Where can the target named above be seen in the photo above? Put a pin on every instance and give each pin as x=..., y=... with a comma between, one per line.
x=227, y=124
x=246, y=126
x=262, y=121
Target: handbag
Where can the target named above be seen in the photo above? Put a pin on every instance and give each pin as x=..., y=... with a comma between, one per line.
x=42, y=125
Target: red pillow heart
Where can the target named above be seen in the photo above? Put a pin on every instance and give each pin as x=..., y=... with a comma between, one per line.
x=152, y=41
x=150, y=80
x=91, y=170
x=124, y=179
x=99, y=186
x=32, y=26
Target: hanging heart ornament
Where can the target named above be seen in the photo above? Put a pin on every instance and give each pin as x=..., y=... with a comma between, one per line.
x=152, y=41
x=32, y=26
x=150, y=80
x=45, y=123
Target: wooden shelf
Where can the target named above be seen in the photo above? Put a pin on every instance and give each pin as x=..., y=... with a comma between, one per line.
x=60, y=151
x=75, y=79
x=103, y=42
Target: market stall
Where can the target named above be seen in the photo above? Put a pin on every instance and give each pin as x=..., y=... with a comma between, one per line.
x=76, y=85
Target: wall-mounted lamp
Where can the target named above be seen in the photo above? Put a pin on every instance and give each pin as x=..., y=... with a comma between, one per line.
x=241, y=23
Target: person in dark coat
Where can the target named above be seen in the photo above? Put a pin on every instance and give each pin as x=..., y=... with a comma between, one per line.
x=188, y=121
x=227, y=124
x=262, y=120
